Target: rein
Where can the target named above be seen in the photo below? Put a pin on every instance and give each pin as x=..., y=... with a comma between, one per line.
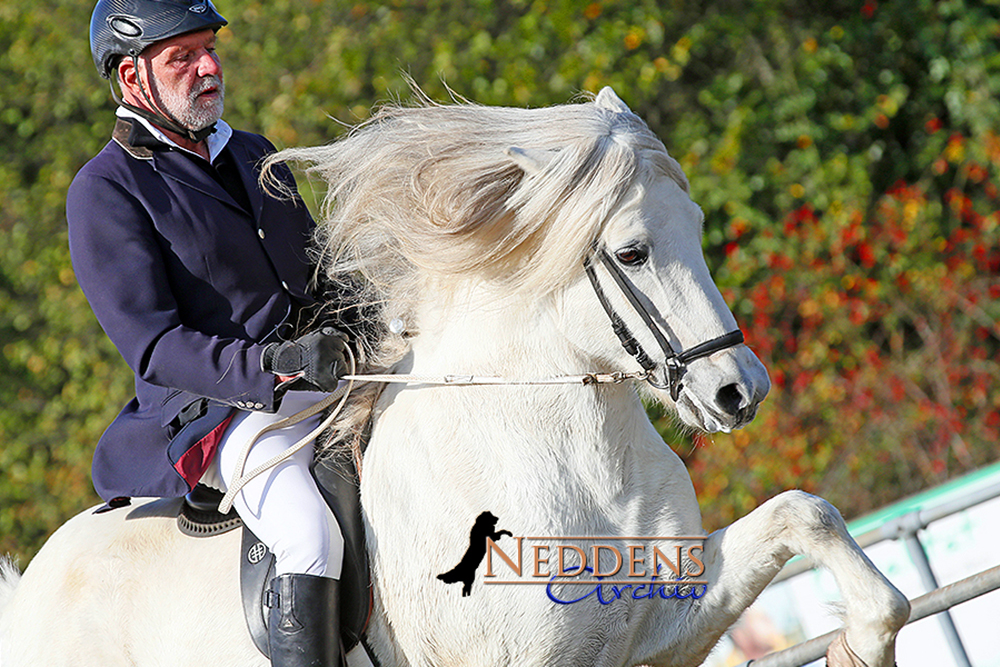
x=674, y=363
x=674, y=367
x=480, y=380
x=343, y=391
x=242, y=479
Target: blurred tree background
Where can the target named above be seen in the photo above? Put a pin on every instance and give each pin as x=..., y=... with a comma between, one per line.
x=846, y=154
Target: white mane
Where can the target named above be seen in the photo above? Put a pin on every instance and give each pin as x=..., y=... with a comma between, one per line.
x=421, y=197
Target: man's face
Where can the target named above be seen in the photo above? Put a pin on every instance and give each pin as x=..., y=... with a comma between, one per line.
x=187, y=78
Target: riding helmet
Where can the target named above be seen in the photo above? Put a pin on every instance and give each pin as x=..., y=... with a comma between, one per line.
x=126, y=27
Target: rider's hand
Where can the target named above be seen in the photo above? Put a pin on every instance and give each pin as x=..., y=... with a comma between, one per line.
x=317, y=358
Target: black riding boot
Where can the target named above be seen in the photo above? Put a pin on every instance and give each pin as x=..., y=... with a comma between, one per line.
x=304, y=621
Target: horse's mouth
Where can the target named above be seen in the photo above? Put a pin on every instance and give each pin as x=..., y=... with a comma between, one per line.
x=709, y=420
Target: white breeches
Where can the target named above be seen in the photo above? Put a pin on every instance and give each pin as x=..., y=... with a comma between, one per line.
x=282, y=506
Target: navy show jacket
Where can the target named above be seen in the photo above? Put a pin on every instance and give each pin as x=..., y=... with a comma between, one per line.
x=188, y=284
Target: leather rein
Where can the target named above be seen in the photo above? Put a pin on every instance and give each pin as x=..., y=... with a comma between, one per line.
x=674, y=363
x=674, y=367
x=666, y=375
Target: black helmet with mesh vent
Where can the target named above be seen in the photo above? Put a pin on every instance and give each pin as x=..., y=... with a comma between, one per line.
x=125, y=27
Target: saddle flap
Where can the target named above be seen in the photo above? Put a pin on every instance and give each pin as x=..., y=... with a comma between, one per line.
x=256, y=572
x=338, y=482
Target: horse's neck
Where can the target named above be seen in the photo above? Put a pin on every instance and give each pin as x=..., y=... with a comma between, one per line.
x=587, y=449
x=484, y=331
x=587, y=429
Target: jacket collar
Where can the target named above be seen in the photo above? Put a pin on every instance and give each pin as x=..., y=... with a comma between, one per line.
x=137, y=140
x=138, y=143
x=215, y=142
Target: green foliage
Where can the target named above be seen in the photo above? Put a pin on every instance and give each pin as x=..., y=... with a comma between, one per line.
x=853, y=216
x=61, y=381
x=845, y=153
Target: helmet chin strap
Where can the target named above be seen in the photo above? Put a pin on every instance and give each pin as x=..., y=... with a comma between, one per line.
x=164, y=120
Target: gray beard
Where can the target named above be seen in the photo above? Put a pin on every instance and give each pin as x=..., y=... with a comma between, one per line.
x=191, y=112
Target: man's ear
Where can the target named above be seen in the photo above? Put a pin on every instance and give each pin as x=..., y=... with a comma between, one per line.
x=127, y=75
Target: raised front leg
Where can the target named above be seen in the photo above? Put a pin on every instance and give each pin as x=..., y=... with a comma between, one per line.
x=744, y=557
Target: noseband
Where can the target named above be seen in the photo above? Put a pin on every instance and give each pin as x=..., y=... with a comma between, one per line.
x=674, y=363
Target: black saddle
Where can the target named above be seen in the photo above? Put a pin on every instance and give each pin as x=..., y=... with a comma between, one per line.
x=338, y=482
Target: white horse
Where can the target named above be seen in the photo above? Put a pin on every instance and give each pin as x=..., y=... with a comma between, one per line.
x=472, y=226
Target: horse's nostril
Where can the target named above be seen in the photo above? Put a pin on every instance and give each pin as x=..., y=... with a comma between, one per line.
x=729, y=399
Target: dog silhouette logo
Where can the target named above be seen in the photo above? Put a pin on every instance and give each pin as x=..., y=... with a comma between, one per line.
x=465, y=571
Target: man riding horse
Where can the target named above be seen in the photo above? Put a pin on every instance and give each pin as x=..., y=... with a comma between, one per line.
x=199, y=277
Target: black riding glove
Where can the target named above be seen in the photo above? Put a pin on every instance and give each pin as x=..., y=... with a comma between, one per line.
x=317, y=358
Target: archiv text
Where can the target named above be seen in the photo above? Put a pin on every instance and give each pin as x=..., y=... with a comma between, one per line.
x=606, y=569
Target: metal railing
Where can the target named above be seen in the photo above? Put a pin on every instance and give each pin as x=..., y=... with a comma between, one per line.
x=934, y=602
x=937, y=601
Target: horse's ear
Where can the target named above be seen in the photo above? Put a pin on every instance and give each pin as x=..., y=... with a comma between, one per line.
x=531, y=160
x=607, y=99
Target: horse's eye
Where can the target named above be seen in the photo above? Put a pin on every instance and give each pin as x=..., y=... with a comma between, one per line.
x=633, y=255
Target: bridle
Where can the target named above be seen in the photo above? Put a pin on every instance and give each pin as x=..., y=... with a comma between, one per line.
x=664, y=375
x=669, y=374
x=674, y=366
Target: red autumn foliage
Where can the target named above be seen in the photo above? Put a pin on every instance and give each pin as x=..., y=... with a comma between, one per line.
x=881, y=336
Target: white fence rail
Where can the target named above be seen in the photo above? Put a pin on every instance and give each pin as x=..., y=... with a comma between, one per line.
x=937, y=601
x=932, y=603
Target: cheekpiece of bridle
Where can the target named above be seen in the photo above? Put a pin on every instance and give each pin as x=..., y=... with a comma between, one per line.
x=669, y=374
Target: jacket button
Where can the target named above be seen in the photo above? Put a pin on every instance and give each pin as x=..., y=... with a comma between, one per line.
x=258, y=406
x=260, y=233
x=285, y=285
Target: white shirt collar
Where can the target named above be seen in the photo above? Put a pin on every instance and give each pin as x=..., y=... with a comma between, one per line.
x=215, y=141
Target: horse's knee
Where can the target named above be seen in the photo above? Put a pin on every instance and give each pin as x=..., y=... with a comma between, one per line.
x=875, y=609
x=809, y=516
